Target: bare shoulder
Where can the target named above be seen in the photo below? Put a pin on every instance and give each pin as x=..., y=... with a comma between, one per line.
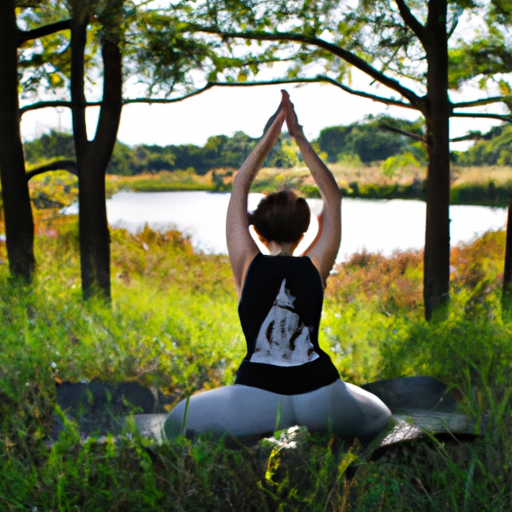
x=324, y=249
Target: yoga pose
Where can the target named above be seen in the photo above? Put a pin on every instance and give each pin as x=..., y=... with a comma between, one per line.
x=285, y=379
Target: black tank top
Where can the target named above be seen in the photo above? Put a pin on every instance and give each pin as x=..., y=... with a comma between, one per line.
x=280, y=311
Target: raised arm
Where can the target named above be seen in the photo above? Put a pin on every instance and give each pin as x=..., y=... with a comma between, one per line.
x=241, y=247
x=325, y=247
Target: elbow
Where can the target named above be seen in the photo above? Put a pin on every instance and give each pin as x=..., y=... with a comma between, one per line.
x=333, y=199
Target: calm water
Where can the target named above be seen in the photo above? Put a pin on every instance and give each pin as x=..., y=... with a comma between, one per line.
x=377, y=225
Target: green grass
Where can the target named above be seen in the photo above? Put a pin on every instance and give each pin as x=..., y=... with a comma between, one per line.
x=173, y=324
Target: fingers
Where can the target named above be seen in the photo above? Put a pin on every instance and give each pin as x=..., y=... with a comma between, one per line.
x=278, y=113
x=287, y=104
x=294, y=128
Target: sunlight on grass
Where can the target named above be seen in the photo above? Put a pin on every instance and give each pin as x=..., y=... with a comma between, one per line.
x=173, y=324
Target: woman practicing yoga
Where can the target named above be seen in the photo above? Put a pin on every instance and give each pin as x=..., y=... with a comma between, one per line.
x=285, y=379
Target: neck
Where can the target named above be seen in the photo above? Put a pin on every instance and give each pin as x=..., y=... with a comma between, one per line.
x=284, y=249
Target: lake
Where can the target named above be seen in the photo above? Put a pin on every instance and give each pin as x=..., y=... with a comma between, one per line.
x=376, y=225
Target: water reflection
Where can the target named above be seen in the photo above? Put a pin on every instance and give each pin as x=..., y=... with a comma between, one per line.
x=377, y=225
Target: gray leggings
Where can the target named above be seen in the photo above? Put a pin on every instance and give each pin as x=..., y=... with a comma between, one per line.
x=243, y=411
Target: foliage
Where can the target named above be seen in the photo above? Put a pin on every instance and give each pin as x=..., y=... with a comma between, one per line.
x=404, y=162
x=494, y=149
x=220, y=151
x=398, y=177
x=53, y=190
x=352, y=145
x=173, y=325
x=367, y=141
x=50, y=146
x=485, y=58
x=44, y=62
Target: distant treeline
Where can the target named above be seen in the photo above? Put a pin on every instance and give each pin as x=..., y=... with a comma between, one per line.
x=373, y=140
x=492, y=148
x=220, y=151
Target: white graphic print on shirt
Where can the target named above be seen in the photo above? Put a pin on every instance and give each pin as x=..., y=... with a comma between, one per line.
x=283, y=340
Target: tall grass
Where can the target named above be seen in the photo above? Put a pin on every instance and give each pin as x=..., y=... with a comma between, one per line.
x=173, y=324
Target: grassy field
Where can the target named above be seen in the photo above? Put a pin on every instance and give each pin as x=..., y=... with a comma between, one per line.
x=173, y=324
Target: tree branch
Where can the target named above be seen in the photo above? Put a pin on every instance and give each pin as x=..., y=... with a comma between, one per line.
x=483, y=101
x=24, y=36
x=387, y=128
x=454, y=25
x=380, y=99
x=346, y=55
x=209, y=85
x=61, y=165
x=470, y=136
x=501, y=117
x=317, y=79
x=54, y=104
x=129, y=101
x=411, y=21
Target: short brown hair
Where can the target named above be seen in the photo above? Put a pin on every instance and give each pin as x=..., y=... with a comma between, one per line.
x=281, y=217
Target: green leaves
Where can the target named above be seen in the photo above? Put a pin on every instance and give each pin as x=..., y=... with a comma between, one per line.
x=44, y=61
x=164, y=52
x=494, y=149
x=368, y=141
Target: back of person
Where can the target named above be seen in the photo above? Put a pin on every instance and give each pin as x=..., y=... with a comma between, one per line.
x=280, y=309
x=285, y=378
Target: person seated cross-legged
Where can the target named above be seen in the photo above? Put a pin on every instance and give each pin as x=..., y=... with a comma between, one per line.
x=285, y=379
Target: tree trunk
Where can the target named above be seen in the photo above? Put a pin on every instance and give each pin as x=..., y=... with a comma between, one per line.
x=93, y=230
x=437, y=237
x=19, y=223
x=93, y=158
x=506, y=297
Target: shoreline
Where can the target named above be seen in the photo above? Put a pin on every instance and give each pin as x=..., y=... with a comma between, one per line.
x=472, y=194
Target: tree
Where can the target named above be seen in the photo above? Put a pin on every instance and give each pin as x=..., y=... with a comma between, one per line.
x=373, y=139
x=501, y=14
x=19, y=223
x=109, y=26
x=489, y=56
x=91, y=157
x=395, y=43
x=94, y=155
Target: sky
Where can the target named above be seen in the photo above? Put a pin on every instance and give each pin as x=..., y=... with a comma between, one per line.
x=226, y=110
